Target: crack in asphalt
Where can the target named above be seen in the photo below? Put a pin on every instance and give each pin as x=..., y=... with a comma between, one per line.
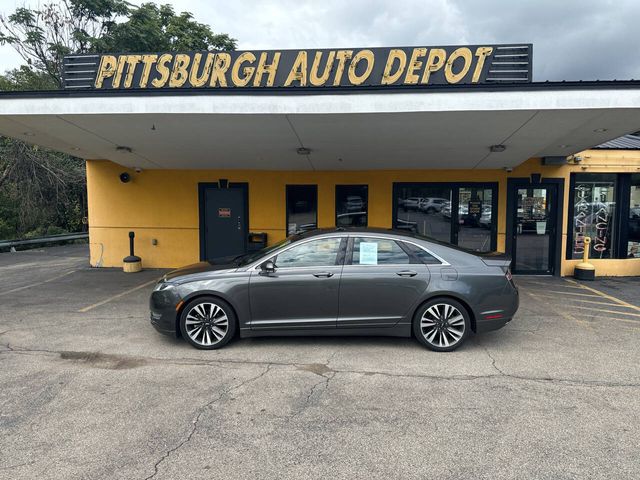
x=201, y=412
x=150, y=361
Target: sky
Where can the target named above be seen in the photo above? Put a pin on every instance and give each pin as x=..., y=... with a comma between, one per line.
x=572, y=40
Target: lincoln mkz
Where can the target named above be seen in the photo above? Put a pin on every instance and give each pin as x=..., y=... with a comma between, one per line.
x=339, y=282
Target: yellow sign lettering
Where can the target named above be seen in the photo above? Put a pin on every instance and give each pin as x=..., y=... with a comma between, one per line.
x=482, y=53
x=414, y=65
x=147, y=62
x=163, y=70
x=463, y=53
x=342, y=56
x=366, y=55
x=199, y=80
x=394, y=54
x=314, y=78
x=107, y=69
x=247, y=72
x=298, y=71
x=270, y=69
x=220, y=66
x=435, y=62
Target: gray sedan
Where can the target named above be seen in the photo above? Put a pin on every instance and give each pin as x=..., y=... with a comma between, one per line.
x=339, y=282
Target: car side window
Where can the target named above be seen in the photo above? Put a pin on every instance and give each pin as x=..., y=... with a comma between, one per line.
x=422, y=255
x=315, y=253
x=378, y=251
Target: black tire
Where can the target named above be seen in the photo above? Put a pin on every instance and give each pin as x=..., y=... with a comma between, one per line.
x=202, y=323
x=441, y=330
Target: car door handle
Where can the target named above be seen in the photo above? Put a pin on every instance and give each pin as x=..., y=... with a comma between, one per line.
x=407, y=273
x=323, y=275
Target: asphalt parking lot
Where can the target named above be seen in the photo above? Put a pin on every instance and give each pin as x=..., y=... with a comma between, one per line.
x=90, y=390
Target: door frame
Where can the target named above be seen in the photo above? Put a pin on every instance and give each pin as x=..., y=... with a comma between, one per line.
x=455, y=203
x=556, y=248
x=202, y=214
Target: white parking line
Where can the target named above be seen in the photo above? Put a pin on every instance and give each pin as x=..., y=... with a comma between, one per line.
x=107, y=300
x=604, y=295
x=13, y=290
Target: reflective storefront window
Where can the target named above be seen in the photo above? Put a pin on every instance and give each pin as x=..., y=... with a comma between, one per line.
x=351, y=205
x=430, y=209
x=425, y=210
x=475, y=218
x=594, y=207
x=633, y=226
x=302, y=208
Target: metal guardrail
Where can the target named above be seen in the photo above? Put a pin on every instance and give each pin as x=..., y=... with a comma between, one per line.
x=50, y=239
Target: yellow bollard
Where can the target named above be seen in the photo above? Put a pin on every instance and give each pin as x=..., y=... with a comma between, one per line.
x=584, y=270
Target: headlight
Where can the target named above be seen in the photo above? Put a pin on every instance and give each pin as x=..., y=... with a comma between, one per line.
x=163, y=285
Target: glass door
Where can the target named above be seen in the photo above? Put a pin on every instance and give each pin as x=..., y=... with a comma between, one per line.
x=534, y=229
x=476, y=219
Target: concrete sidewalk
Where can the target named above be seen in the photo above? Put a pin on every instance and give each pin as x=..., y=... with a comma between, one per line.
x=90, y=390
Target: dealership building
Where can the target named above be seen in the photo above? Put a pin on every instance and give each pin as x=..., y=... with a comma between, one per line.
x=209, y=154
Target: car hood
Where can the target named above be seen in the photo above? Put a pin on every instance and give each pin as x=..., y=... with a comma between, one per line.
x=190, y=271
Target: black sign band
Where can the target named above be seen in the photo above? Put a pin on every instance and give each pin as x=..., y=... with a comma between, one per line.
x=368, y=67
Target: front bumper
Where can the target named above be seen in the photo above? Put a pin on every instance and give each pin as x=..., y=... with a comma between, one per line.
x=163, y=311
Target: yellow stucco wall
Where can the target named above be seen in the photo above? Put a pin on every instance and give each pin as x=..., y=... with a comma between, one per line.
x=163, y=204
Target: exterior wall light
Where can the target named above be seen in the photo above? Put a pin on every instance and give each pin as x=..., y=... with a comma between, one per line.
x=303, y=151
x=497, y=148
x=123, y=149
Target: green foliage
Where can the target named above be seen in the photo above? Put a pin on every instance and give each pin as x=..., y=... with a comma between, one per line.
x=43, y=192
x=153, y=28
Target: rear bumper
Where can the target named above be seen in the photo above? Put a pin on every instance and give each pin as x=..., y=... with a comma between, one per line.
x=507, y=312
x=490, y=325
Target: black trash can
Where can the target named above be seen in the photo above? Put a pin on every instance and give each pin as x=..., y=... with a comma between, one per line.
x=257, y=241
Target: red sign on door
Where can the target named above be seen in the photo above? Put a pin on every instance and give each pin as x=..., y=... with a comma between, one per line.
x=224, y=212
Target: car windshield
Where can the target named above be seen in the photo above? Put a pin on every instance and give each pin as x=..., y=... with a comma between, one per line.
x=248, y=258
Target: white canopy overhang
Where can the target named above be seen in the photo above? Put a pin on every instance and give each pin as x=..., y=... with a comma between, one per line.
x=356, y=131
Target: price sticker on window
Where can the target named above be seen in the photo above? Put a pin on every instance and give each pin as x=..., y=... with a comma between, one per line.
x=368, y=253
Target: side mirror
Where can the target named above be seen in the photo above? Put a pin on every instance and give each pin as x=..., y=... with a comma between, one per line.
x=268, y=267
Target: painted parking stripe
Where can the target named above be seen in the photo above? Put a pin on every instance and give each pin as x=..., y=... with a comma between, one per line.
x=572, y=293
x=617, y=312
x=14, y=290
x=114, y=297
x=605, y=295
x=579, y=300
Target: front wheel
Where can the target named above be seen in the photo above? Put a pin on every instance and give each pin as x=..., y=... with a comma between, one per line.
x=208, y=323
x=442, y=324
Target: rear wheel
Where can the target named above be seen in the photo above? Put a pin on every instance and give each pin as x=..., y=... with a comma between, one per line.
x=442, y=324
x=208, y=323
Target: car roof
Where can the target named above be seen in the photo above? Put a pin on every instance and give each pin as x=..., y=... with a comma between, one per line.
x=356, y=230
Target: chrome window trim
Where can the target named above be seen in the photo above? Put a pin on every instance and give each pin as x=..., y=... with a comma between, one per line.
x=256, y=265
x=443, y=263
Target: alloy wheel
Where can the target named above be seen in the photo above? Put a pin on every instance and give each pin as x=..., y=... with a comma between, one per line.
x=442, y=325
x=206, y=324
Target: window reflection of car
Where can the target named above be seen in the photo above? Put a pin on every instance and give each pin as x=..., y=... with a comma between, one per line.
x=412, y=203
x=463, y=211
x=304, y=227
x=406, y=225
x=354, y=204
x=485, y=217
x=353, y=219
x=432, y=205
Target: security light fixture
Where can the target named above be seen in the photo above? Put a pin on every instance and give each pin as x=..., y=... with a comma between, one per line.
x=303, y=151
x=600, y=130
x=497, y=148
x=123, y=149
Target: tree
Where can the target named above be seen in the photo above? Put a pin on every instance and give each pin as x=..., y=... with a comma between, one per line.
x=40, y=188
x=44, y=35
